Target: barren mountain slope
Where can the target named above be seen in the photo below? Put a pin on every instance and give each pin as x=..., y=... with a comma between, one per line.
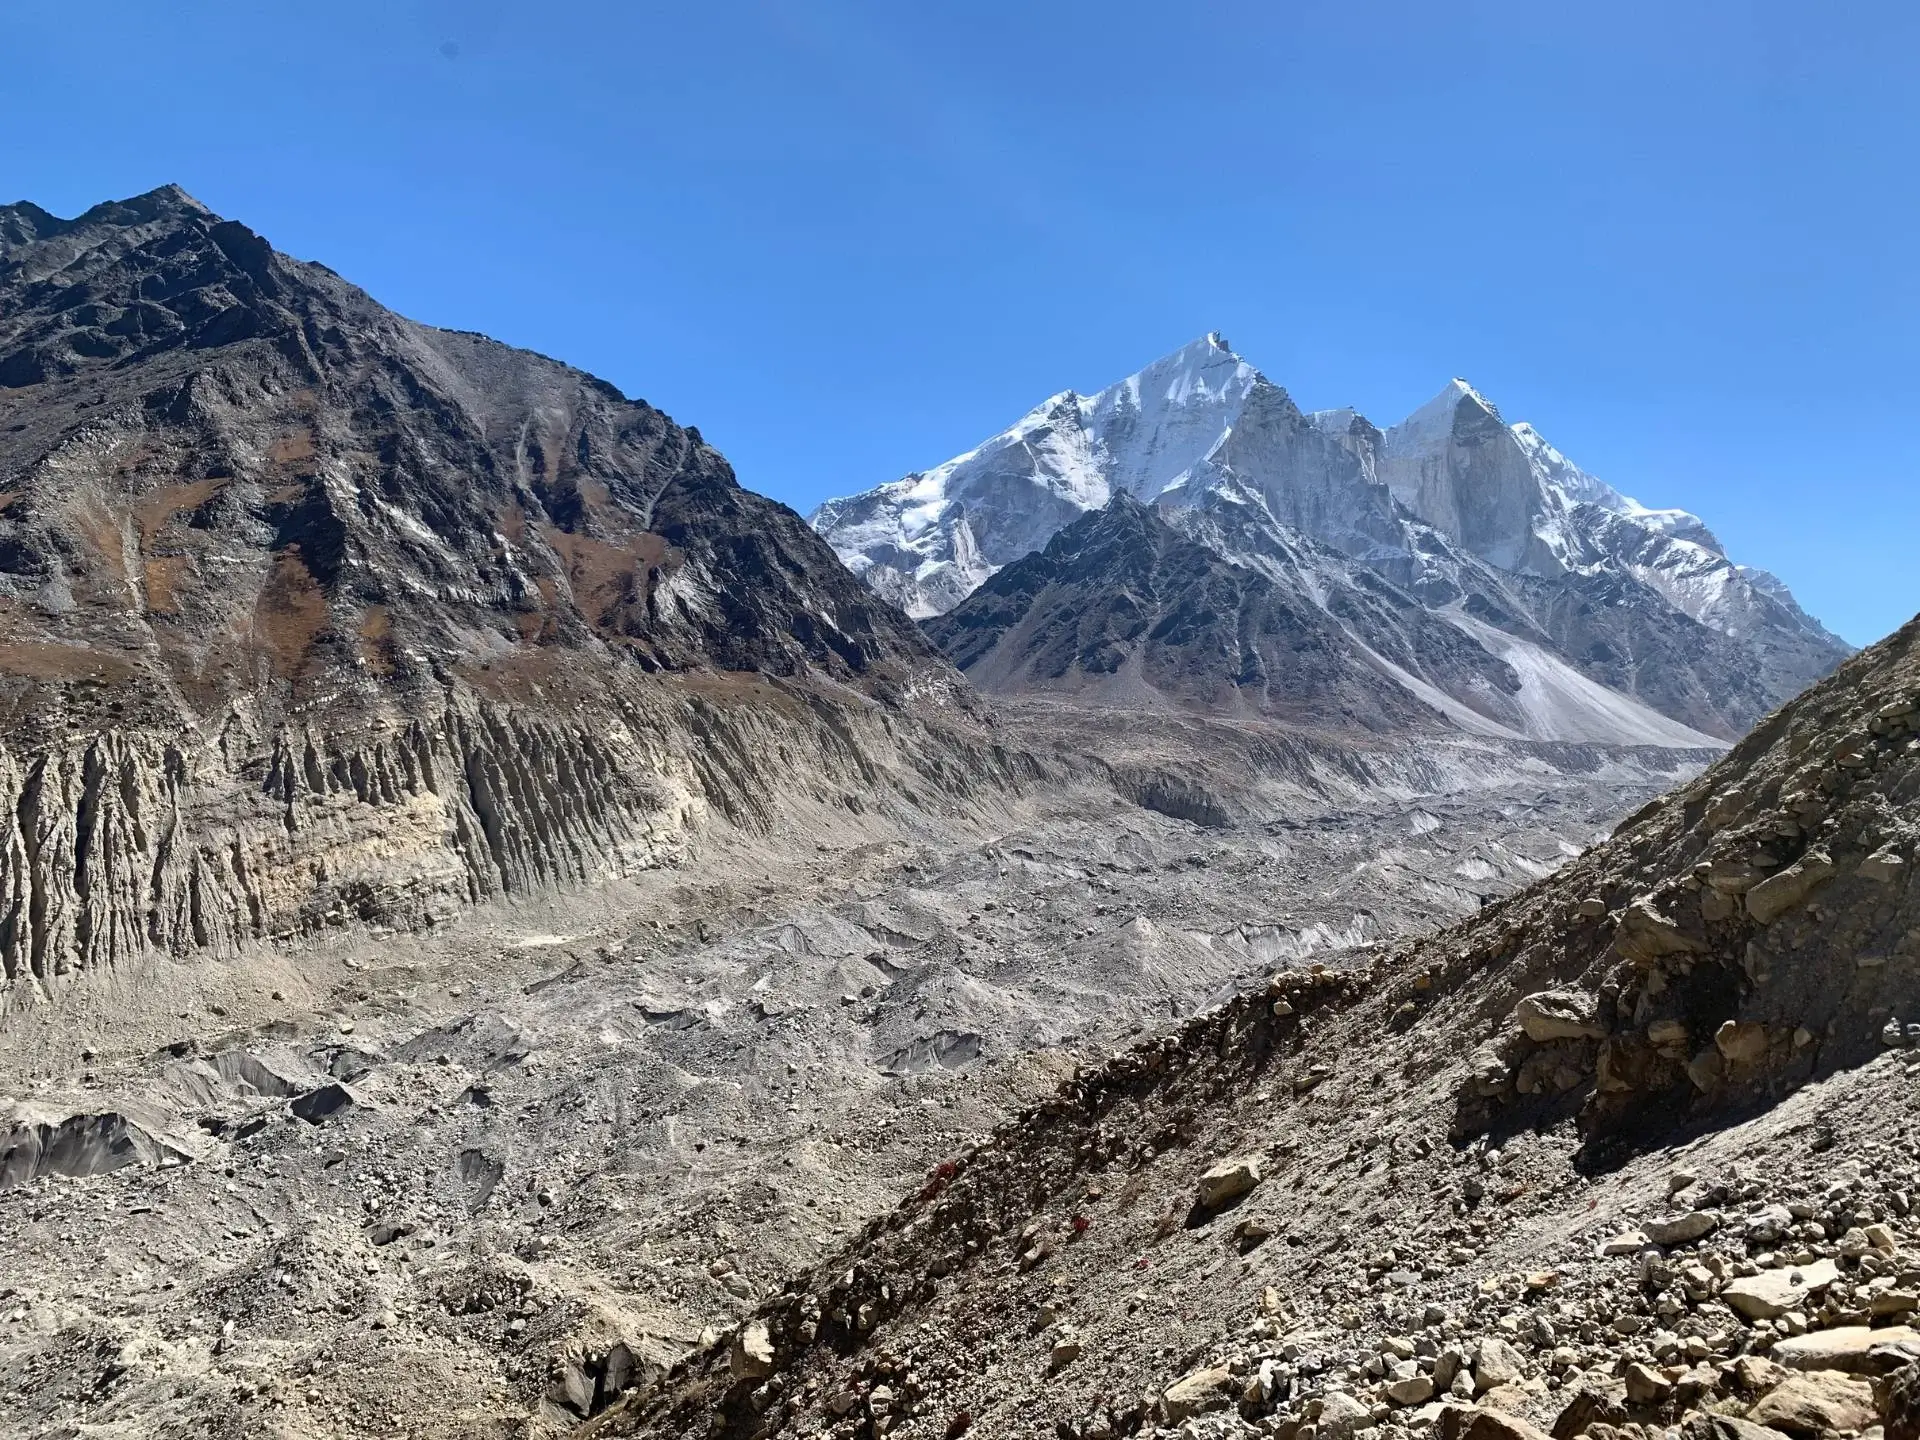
x=316, y=614
x=1132, y=605
x=1120, y=608
x=1591, y=1156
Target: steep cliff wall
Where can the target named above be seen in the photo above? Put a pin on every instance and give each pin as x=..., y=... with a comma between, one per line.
x=124, y=844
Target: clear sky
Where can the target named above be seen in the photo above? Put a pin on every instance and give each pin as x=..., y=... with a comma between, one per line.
x=849, y=238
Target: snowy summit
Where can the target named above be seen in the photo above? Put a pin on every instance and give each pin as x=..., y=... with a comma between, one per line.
x=1479, y=520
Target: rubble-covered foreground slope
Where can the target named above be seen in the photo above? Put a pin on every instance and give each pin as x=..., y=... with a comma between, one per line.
x=1630, y=1151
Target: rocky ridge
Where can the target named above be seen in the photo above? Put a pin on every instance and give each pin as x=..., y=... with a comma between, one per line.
x=1123, y=609
x=1672, y=1188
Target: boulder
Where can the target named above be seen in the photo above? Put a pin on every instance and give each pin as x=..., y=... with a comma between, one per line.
x=1497, y=1363
x=1705, y=1425
x=1885, y=866
x=1682, y=1229
x=1479, y=1422
x=1777, y=894
x=1742, y=1041
x=1596, y=1402
x=1646, y=1385
x=1728, y=876
x=1668, y=1032
x=1560, y=1015
x=1414, y=1390
x=1200, y=1392
x=1228, y=1181
x=1813, y=1402
x=1774, y=1292
x=1900, y=1403
x=1340, y=1415
x=752, y=1355
x=1854, y=1349
x=1646, y=936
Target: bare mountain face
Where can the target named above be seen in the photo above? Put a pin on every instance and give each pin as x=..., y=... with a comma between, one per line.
x=1629, y=1153
x=1558, y=577
x=315, y=614
x=1122, y=608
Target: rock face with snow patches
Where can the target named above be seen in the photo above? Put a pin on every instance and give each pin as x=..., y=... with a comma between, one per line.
x=1570, y=588
x=1121, y=608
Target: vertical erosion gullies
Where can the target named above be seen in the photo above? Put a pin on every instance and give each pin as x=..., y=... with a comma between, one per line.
x=121, y=844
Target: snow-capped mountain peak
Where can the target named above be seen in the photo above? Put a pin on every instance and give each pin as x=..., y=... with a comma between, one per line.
x=1453, y=505
x=927, y=540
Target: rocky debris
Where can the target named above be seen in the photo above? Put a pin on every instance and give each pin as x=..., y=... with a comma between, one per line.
x=1438, y=1233
x=1481, y=1423
x=1899, y=1396
x=612, y=1179
x=38, y=1140
x=1708, y=977
x=1227, y=1181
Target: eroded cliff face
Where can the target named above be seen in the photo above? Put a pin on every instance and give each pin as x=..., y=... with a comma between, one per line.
x=312, y=615
x=127, y=844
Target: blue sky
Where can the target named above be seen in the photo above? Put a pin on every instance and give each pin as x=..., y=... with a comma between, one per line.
x=848, y=238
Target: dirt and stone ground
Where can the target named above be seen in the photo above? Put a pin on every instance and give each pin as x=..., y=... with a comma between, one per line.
x=478, y=1182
